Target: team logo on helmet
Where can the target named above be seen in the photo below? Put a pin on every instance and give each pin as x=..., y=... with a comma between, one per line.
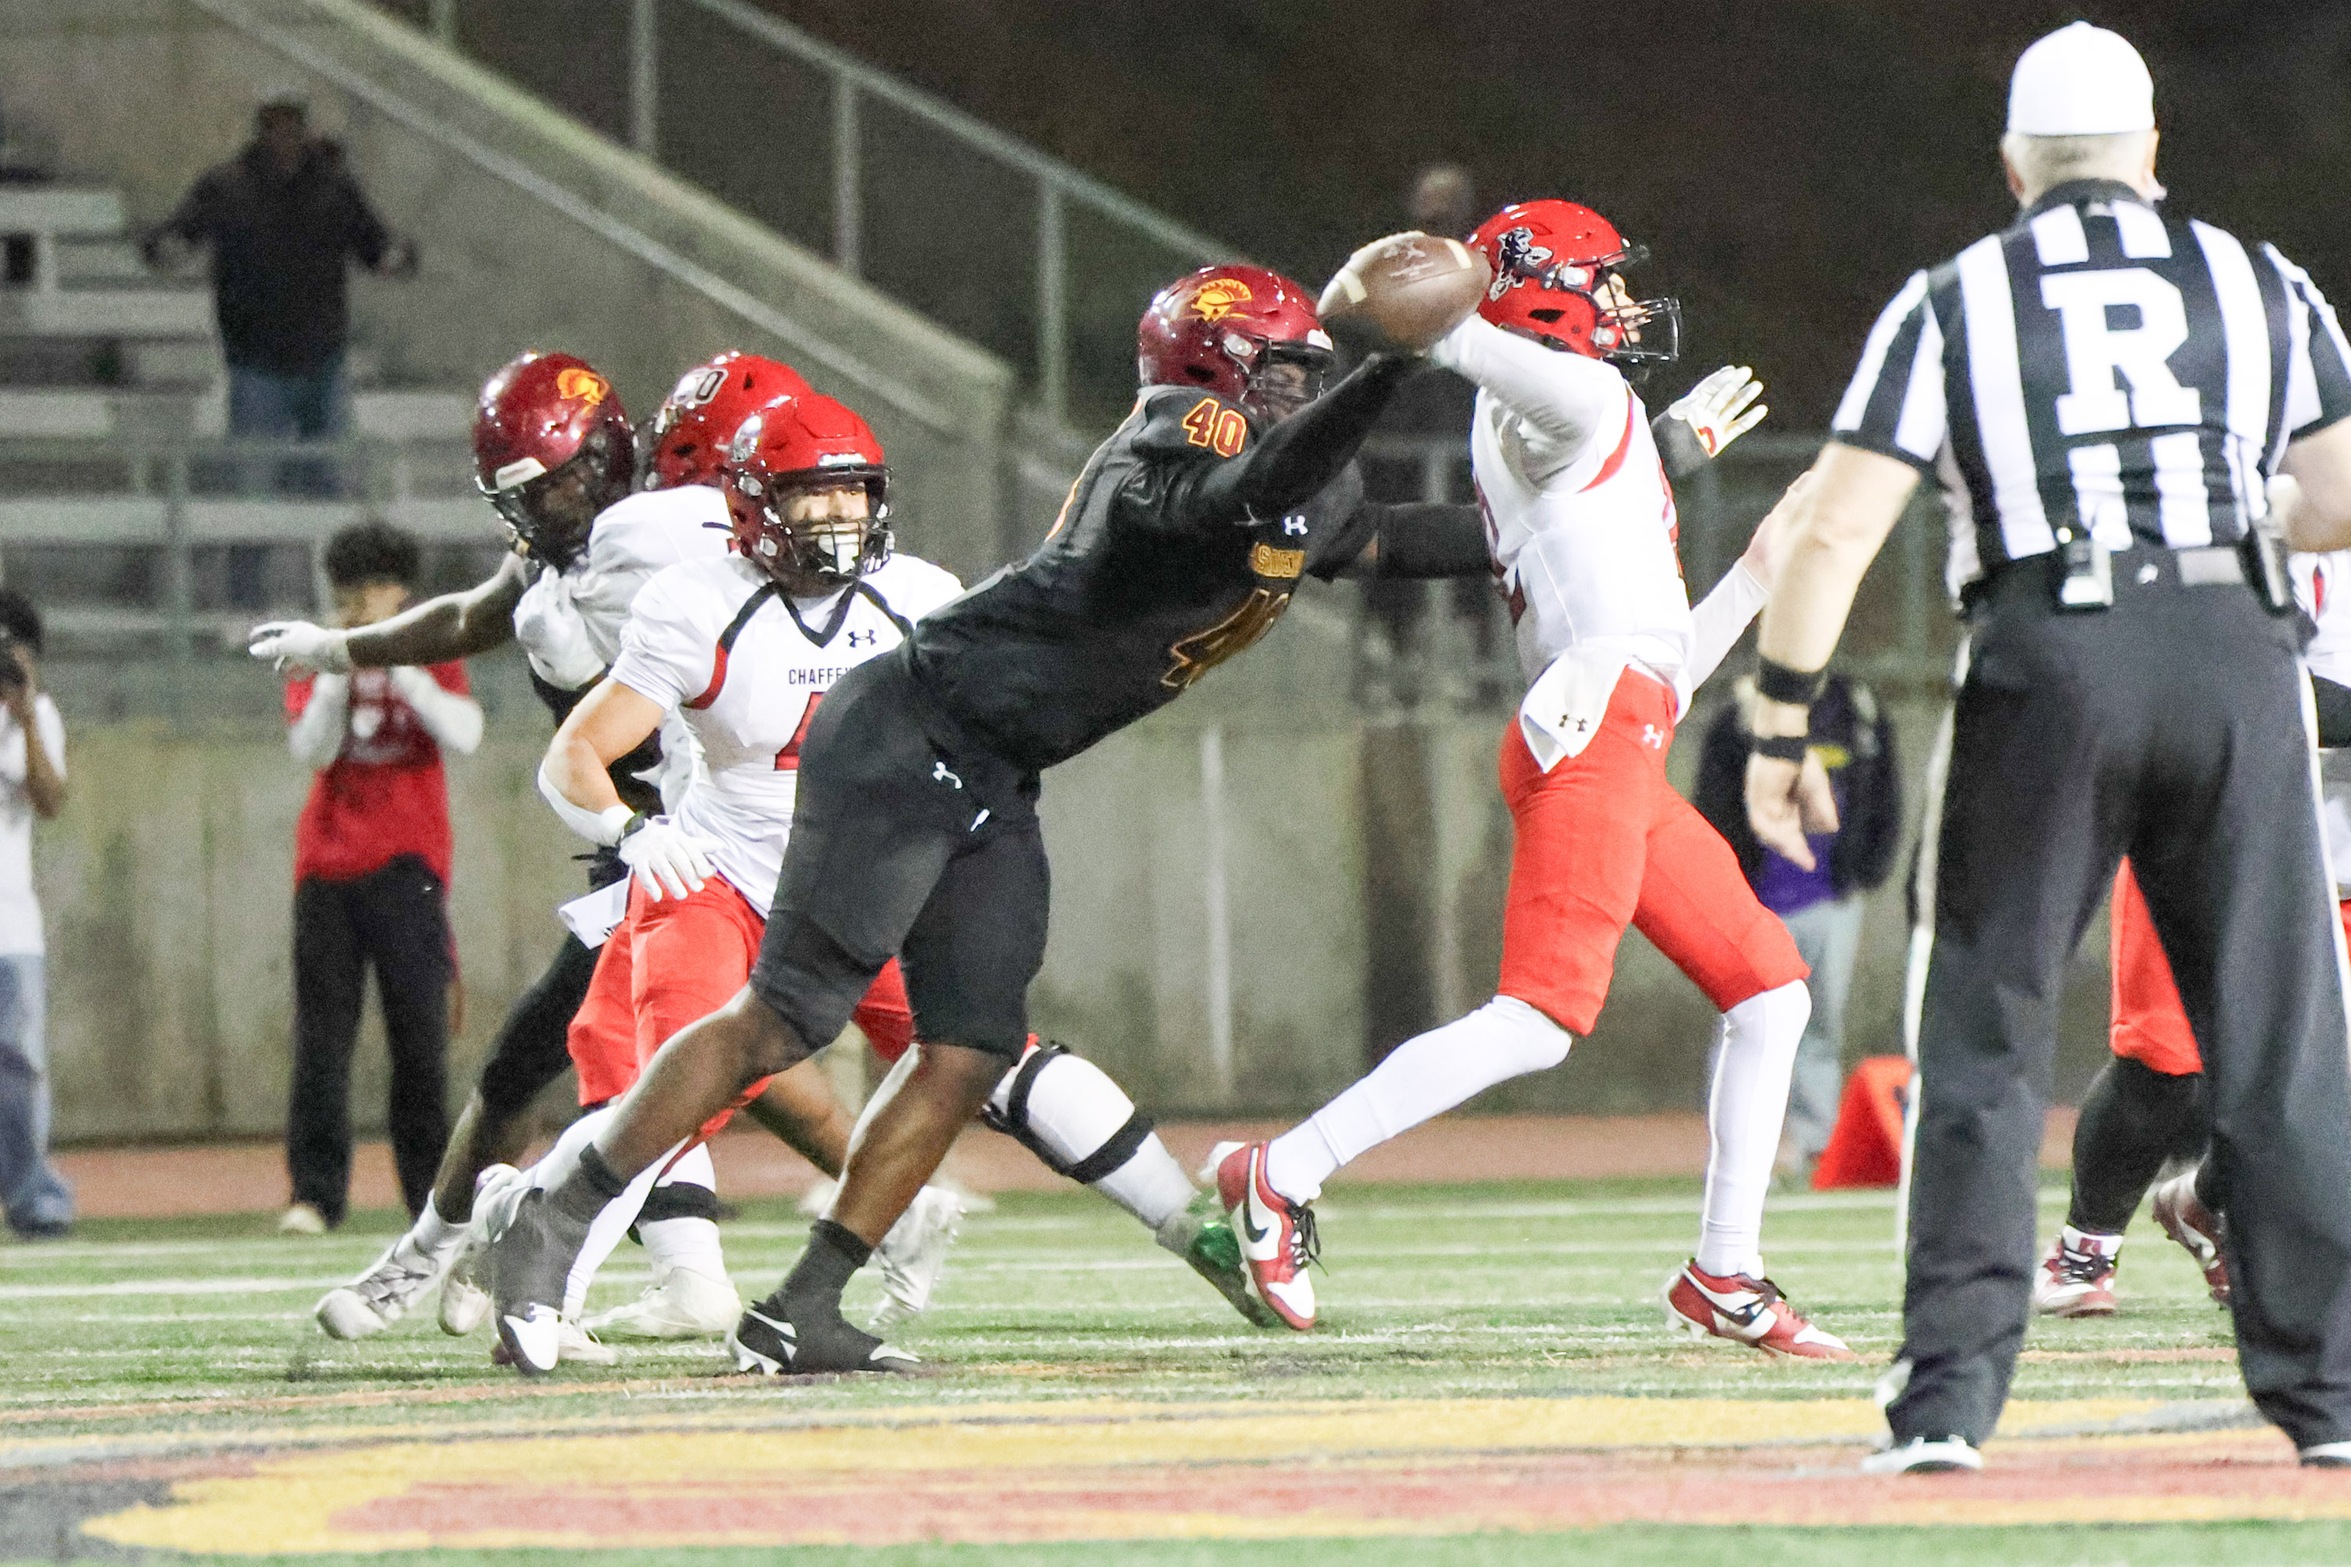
x=581, y=386
x=1218, y=296
x=1517, y=258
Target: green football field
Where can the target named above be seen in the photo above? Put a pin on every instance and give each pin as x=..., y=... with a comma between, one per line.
x=1492, y=1384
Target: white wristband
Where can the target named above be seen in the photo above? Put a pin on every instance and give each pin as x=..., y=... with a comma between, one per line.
x=610, y=823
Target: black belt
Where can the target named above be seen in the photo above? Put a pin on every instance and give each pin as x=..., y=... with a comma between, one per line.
x=2138, y=569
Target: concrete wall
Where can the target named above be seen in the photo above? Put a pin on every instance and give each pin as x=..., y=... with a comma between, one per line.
x=145, y=94
x=1364, y=865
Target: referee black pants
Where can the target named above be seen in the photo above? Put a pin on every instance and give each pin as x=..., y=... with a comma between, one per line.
x=2169, y=727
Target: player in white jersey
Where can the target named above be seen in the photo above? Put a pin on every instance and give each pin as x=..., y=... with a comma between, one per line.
x=1581, y=524
x=555, y=455
x=2147, y=1107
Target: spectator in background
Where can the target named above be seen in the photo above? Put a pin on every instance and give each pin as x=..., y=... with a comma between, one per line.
x=283, y=220
x=1853, y=739
x=371, y=877
x=32, y=783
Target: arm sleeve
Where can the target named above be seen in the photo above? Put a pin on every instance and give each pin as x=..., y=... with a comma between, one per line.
x=52, y=729
x=2334, y=711
x=665, y=657
x=1277, y=472
x=363, y=232
x=316, y=735
x=1678, y=447
x=1895, y=404
x=1420, y=540
x=1717, y=620
x=1568, y=398
x=193, y=218
x=449, y=715
x=2318, y=358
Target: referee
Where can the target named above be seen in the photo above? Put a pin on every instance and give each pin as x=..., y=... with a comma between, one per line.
x=2104, y=391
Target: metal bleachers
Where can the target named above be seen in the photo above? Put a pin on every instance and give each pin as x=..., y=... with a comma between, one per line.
x=120, y=492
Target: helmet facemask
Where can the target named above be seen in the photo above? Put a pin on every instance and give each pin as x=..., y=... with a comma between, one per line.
x=825, y=550
x=1278, y=378
x=549, y=513
x=1624, y=329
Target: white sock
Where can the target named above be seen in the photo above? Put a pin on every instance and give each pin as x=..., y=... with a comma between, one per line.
x=2091, y=1241
x=1422, y=1078
x=689, y=1243
x=1074, y=1109
x=1753, y=1064
x=608, y=1227
x=557, y=1163
x=431, y=1233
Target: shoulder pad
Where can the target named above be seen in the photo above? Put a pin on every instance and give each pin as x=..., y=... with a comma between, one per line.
x=1177, y=421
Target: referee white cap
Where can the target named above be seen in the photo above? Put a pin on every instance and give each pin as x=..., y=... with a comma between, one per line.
x=2080, y=81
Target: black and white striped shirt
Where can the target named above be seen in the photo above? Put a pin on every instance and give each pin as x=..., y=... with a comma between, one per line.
x=2098, y=365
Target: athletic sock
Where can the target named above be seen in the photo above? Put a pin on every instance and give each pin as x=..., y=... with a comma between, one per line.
x=431, y=1233
x=2089, y=1241
x=1077, y=1119
x=589, y=1187
x=606, y=1231
x=679, y=1221
x=1753, y=1064
x=834, y=1254
x=1422, y=1078
x=2133, y=1119
x=556, y=1165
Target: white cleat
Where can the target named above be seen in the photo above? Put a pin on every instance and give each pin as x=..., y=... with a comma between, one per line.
x=685, y=1304
x=383, y=1294
x=914, y=1255
x=540, y=1341
x=465, y=1299
x=1923, y=1455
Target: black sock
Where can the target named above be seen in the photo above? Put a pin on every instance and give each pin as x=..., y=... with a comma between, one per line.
x=2133, y=1119
x=824, y=1269
x=587, y=1191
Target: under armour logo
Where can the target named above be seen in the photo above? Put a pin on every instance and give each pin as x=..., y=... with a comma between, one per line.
x=864, y=638
x=1653, y=737
x=941, y=773
x=1579, y=725
x=1294, y=523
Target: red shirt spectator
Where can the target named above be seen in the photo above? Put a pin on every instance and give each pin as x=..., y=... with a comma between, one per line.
x=384, y=794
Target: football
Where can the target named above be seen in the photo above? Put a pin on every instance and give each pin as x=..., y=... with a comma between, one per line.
x=1412, y=286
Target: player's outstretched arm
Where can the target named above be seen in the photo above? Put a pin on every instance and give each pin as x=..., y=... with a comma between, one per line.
x=575, y=778
x=1571, y=400
x=453, y=626
x=1296, y=459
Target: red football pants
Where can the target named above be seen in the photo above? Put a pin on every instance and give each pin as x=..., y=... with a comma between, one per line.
x=1603, y=842
x=674, y=962
x=2149, y=1024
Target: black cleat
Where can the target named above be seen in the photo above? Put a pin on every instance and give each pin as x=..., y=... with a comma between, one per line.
x=779, y=1338
x=529, y=1267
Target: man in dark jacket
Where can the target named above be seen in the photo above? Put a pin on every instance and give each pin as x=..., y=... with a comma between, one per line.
x=283, y=219
x=1853, y=739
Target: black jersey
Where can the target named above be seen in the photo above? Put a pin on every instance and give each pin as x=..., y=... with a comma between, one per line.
x=1180, y=544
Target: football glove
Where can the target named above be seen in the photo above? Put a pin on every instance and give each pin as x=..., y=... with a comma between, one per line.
x=666, y=859
x=297, y=644
x=1721, y=408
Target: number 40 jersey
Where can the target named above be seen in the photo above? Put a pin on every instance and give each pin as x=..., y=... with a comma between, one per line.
x=745, y=665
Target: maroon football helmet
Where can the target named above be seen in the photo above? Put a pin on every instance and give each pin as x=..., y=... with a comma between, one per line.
x=709, y=403
x=1223, y=328
x=791, y=447
x=1554, y=263
x=552, y=448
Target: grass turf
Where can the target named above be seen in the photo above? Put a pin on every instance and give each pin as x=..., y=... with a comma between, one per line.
x=197, y=1333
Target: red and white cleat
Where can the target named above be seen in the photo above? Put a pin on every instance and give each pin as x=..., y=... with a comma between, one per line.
x=2076, y=1279
x=2197, y=1229
x=1276, y=1235
x=1746, y=1311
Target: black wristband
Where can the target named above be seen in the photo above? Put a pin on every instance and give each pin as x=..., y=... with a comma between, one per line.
x=1782, y=748
x=1776, y=682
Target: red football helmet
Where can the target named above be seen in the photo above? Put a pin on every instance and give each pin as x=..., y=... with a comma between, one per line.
x=1222, y=328
x=552, y=447
x=710, y=401
x=1556, y=269
x=791, y=447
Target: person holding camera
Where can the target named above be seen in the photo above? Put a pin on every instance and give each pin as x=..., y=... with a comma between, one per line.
x=38, y=1203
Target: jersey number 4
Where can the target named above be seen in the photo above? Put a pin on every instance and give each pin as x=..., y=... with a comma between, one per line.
x=788, y=759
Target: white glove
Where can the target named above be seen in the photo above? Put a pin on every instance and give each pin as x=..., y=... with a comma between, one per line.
x=285, y=644
x=667, y=859
x=554, y=635
x=1717, y=409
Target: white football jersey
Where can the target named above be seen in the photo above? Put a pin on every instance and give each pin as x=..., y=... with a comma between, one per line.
x=715, y=644
x=2323, y=584
x=1581, y=524
x=568, y=616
